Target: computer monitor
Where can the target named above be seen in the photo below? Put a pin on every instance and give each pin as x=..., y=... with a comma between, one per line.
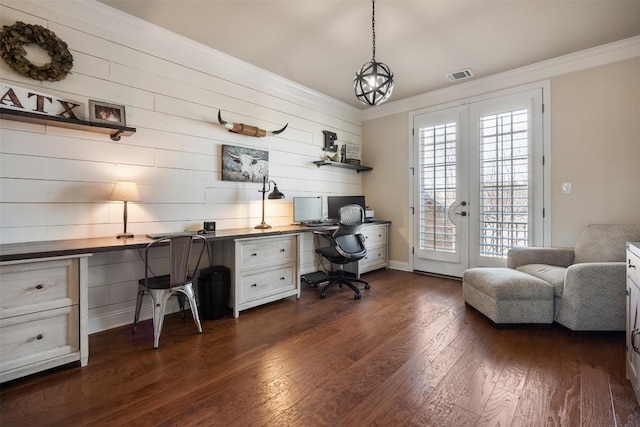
x=334, y=203
x=307, y=209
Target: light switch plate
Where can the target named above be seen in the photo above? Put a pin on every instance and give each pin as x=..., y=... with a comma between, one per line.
x=566, y=187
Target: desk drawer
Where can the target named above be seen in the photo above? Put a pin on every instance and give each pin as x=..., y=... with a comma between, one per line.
x=267, y=283
x=374, y=236
x=36, y=286
x=375, y=256
x=37, y=337
x=267, y=252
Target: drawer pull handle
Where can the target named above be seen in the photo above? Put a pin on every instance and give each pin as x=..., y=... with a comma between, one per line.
x=39, y=337
x=281, y=250
x=282, y=278
x=631, y=265
x=39, y=286
x=255, y=285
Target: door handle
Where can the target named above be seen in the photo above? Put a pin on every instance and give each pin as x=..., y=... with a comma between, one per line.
x=453, y=207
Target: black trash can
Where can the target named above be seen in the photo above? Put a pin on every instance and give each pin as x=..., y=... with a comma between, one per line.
x=213, y=292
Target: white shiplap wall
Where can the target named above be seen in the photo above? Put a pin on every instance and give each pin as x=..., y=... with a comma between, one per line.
x=54, y=182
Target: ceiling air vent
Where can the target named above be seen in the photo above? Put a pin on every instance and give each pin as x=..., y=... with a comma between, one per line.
x=459, y=75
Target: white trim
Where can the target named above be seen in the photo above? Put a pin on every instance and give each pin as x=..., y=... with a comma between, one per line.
x=545, y=87
x=123, y=317
x=546, y=169
x=601, y=55
x=399, y=265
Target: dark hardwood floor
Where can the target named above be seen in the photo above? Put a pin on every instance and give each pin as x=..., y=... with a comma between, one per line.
x=408, y=353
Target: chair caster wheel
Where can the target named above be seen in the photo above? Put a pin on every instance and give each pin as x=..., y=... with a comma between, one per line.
x=358, y=296
x=367, y=286
x=323, y=294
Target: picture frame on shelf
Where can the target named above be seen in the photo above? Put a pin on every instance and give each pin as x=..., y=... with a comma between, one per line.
x=352, y=154
x=104, y=112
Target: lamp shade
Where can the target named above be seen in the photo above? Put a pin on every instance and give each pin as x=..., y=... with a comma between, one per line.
x=275, y=194
x=126, y=191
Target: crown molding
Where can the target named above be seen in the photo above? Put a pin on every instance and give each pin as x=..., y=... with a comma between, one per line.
x=588, y=58
x=104, y=21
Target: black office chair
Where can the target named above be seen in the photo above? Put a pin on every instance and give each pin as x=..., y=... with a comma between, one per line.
x=178, y=281
x=346, y=246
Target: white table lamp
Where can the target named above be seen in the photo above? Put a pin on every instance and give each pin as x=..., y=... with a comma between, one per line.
x=126, y=191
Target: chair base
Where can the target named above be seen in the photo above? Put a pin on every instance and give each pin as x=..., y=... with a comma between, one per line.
x=340, y=279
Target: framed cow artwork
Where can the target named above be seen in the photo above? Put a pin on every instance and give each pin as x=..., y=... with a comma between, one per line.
x=243, y=164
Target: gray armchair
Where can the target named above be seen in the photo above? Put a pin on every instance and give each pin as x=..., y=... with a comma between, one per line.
x=588, y=280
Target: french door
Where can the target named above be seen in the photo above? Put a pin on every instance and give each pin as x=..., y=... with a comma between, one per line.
x=478, y=182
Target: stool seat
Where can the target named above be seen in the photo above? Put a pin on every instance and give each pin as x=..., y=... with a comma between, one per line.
x=505, y=295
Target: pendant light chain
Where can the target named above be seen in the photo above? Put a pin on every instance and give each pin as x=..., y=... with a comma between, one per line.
x=373, y=28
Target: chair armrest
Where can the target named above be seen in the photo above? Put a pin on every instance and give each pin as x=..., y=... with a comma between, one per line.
x=560, y=257
x=362, y=239
x=594, y=295
x=327, y=234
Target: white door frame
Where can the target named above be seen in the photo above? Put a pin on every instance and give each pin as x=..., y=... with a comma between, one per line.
x=546, y=178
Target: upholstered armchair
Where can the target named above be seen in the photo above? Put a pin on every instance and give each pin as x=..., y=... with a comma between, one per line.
x=588, y=280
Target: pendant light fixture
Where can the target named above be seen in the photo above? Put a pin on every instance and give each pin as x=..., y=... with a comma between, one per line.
x=373, y=84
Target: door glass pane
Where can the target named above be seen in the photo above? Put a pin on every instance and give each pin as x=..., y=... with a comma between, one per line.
x=438, y=181
x=504, y=182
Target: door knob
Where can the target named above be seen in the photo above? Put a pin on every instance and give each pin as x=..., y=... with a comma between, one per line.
x=463, y=213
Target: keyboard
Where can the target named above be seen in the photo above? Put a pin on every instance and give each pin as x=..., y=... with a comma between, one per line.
x=165, y=235
x=319, y=224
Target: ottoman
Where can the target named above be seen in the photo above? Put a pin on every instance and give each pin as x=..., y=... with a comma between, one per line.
x=505, y=295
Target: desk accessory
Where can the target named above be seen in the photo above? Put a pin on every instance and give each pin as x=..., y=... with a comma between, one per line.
x=209, y=226
x=275, y=194
x=126, y=191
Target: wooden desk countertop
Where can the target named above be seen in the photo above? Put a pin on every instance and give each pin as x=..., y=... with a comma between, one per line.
x=53, y=248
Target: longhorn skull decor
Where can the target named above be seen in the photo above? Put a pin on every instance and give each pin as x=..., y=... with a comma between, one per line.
x=248, y=130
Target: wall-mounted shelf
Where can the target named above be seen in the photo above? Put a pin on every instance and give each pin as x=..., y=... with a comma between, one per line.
x=114, y=131
x=357, y=168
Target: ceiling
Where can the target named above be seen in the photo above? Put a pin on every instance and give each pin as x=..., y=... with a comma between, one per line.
x=322, y=43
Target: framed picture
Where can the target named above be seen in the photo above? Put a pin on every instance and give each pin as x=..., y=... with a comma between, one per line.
x=352, y=154
x=242, y=164
x=103, y=112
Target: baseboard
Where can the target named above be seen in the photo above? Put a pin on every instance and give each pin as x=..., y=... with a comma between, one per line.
x=124, y=317
x=398, y=265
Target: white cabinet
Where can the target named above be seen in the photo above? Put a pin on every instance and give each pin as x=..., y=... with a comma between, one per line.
x=375, y=240
x=264, y=269
x=43, y=314
x=633, y=316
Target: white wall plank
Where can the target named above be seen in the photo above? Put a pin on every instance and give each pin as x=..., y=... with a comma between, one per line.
x=55, y=182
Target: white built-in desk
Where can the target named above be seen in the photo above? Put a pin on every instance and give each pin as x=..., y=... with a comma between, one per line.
x=43, y=286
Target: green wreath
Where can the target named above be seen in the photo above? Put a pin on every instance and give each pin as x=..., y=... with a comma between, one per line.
x=14, y=37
